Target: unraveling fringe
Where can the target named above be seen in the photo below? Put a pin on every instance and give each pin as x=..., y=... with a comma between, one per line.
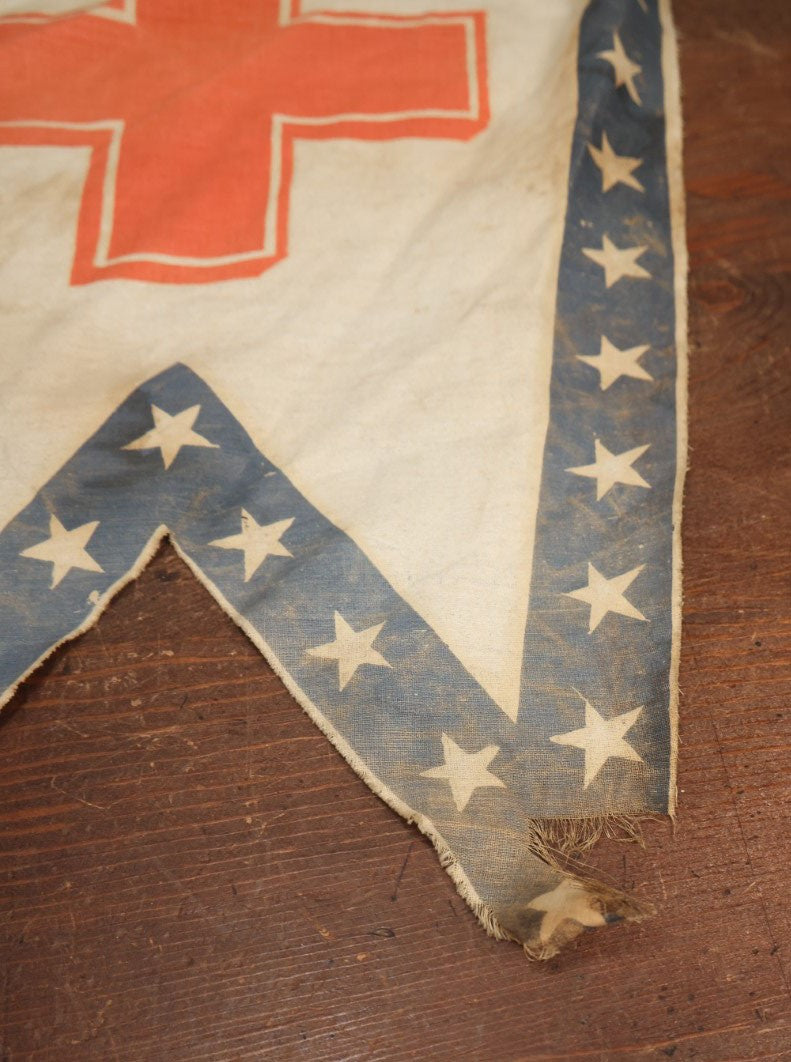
x=560, y=843
x=557, y=842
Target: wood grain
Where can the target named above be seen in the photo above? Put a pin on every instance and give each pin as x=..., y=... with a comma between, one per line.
x=189, y=871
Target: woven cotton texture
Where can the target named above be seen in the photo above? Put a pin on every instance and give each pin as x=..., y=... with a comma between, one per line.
x=378, y=313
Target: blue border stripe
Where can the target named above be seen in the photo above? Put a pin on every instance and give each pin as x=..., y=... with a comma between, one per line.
x=624, y=663
x=394, y=714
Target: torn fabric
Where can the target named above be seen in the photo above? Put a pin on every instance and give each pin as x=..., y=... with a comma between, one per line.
x=379, y=314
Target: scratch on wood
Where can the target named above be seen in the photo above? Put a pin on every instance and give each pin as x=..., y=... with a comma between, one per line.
x=394, y=896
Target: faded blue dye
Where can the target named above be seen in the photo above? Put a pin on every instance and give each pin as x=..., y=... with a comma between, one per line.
x=393, y=717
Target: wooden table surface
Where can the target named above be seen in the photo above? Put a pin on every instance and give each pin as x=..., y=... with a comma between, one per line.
x=189, y=871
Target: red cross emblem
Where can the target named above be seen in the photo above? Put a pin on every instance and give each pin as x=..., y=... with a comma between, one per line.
x=191, y=108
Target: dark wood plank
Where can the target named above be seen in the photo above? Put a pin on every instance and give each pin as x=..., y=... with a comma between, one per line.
x=189, y=871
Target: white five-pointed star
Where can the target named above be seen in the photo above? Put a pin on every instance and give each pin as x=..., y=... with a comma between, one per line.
x=170, y=433
x=624, y=70
x=351, y=649
x=65, y=549
x=601, y=740
x=465, y=771
x=568, y=901
x=609, y=469
x=617, y=262
x=614, y=168
x=606, y=595
x=257, y=542
x=613, y=363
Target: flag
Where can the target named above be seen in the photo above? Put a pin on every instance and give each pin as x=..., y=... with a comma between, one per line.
x=377, y=311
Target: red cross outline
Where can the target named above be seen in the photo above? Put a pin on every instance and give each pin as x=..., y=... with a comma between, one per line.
x=191, y=121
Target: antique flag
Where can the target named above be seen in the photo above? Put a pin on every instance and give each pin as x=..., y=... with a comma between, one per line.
x=376, y=309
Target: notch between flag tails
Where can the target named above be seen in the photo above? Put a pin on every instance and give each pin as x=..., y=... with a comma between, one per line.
x=378, y=311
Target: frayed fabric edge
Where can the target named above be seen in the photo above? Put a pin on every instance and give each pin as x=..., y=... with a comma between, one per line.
x=552, y=841
x=558, y=843
x=448, y=861
x=93, y=616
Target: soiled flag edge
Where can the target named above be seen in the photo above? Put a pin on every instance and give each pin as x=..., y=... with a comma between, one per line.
x=674, y=148
x=553, y=841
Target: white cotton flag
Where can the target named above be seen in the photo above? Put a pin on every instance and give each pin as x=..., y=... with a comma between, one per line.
x=378, y=312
